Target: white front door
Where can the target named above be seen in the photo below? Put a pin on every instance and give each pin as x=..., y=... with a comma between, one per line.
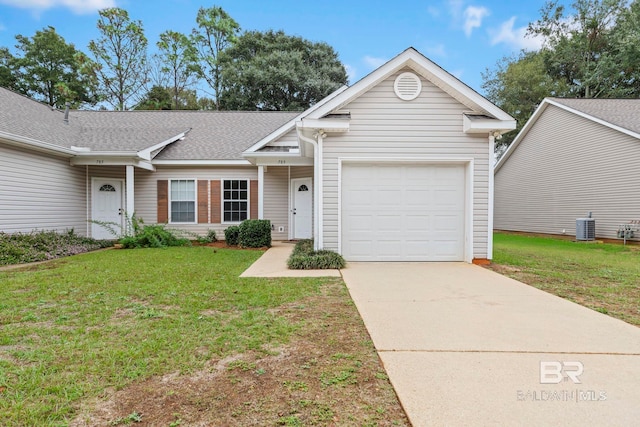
x=106, y=208
x=302, y=213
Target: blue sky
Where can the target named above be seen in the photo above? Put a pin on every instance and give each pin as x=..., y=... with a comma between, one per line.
x=462, y=36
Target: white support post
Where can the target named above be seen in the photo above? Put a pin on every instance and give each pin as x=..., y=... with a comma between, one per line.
x=320, y=190
x=261, y=192
x=130, y=207
x=492, y=162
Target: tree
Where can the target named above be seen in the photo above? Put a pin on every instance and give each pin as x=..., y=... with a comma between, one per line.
x=50, y=70
x=157, y=98
x=577, y=46
x=121, y=56
x=275, y=71
x=216, y=31
x=517, y=85
x=179, y=62
x=8, y=72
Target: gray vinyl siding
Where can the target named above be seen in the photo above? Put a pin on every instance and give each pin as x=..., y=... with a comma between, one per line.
x=565, y=167
x=276, y=195
x=42, y=192
x=289, y=139
x=276, y=200
x=146, y=191
x=383, y=126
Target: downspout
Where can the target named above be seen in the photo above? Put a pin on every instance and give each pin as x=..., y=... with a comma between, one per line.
x=316, y=187
x=86, y=198
x=492, y=161
x=320, y=137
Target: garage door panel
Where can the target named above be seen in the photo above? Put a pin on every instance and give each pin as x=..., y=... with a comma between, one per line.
x=405, y=212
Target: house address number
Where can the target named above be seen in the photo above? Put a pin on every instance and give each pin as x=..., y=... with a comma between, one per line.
x=99, y=162
x=282, y=162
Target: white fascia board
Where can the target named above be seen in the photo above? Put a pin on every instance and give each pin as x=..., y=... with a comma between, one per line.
x=431, y=71
x=46, y=147
x=514, y=144
x=146, y=153
x=486, y=125
x=292, y=123
x=93, y=160
x=327, y=125
x=201, y=163
x=278, y=161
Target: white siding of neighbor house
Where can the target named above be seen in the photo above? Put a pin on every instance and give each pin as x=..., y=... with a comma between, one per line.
x=146, y=191
x=42, y=192
x=565, y=167
x=385, y=127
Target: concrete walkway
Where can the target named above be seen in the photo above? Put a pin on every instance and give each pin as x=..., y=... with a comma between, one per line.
x=274, y=264
x=463, y=346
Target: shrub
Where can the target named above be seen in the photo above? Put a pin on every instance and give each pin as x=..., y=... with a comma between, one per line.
x=211, y=236
x=19, y=248
x=255, y=233
x=153, y=236
x=304, y=257
x=231, y=235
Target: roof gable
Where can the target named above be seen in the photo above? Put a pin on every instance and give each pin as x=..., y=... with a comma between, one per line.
x=413, y=59
x=410, y=58
x=622, y=115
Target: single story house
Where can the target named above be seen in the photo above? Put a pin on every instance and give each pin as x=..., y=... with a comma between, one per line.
x=397, y=167
x=574, y=156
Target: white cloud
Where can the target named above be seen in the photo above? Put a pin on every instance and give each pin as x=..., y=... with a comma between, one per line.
x=373, y=62
x=352, y=72
x=76, y=6
x=473, y=17
x=433, y=11
x=515, y=37
x=457, y=74
x=2, y=27
x=436, y=50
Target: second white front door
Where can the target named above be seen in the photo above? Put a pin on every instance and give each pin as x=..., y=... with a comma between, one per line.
x=302, y=211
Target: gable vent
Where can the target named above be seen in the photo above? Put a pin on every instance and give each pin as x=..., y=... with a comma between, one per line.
x=407, y=86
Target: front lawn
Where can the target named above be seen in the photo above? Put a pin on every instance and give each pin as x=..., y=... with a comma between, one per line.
x=174, y=337
x=603, y=277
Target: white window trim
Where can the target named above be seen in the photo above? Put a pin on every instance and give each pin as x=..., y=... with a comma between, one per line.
x=195, y=201
x=222, y=199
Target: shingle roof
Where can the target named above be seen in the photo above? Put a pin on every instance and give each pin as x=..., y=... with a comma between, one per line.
x=624, y=113
x=212, y=135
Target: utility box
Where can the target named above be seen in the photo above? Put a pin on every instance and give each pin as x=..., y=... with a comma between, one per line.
x=585, y=229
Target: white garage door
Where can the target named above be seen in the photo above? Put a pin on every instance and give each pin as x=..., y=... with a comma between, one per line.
x=408, y=212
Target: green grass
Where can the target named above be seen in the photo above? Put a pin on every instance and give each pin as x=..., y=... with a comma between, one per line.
x=74, y=327
x=601, y=276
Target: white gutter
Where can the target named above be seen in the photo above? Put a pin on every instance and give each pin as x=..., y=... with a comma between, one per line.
x=202, y=162
x=317, y=176
x=34, y=143
x=490, y=210
x=146, y=153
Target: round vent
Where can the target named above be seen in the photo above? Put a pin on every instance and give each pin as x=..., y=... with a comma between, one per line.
x=407, y=86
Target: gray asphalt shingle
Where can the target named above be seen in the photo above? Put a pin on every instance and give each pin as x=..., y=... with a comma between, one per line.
x=620, y=112
x=211, y=135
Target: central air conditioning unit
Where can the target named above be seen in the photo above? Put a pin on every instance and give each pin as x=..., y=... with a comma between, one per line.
x=586, y=228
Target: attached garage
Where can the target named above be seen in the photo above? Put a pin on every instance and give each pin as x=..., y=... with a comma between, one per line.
x=403, y=211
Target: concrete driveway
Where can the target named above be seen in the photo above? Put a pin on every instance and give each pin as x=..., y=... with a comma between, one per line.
x=465, y=346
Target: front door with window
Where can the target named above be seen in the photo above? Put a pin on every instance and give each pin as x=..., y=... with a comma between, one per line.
x=106, y=208
x=302, y=213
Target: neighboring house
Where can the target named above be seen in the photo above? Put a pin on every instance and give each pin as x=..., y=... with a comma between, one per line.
x=396, y=167
x=574, y=156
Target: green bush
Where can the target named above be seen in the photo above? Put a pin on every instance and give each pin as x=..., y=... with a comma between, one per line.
x=255, y=233
x=231, y=235
x=19, y=248
x=304, y=257
x=211, y=236
x=153, y=236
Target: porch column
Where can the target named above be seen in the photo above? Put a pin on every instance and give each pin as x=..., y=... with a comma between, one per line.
x=492, y=163
x=129, y=207
x=261, y=192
